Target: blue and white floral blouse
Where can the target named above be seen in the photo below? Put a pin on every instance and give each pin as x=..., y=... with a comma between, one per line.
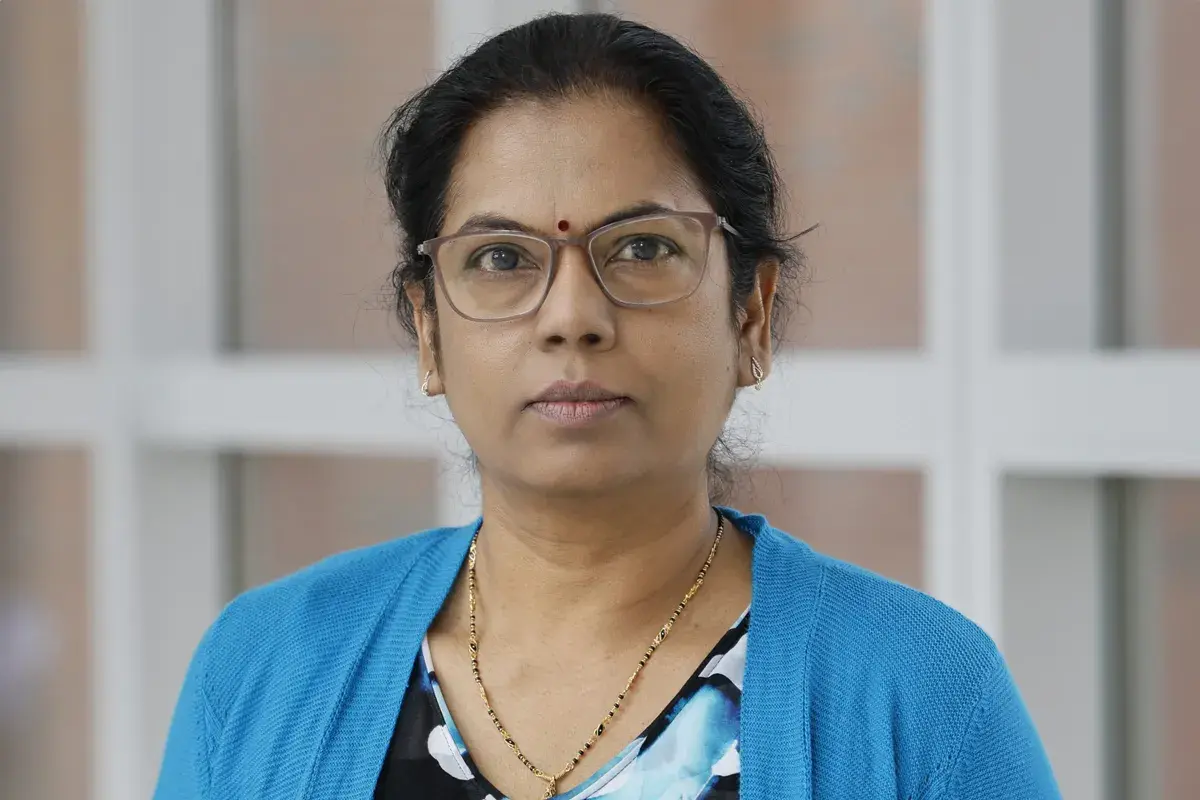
x=689, y=751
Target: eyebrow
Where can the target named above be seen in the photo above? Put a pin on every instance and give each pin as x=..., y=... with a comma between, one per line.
x=488, y=221
x=493, y=222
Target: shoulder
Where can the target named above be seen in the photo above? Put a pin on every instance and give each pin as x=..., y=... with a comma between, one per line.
x=857, y=618
x=897, y=627
x=858, y=623
x=346, y=583
x=911, y=672
x=894, y=677
x=924, y=689
x=319, y=615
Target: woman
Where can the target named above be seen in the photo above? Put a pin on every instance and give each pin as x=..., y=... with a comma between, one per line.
x=593, y=266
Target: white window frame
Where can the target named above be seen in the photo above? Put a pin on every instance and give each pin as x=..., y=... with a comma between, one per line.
x=154, y=401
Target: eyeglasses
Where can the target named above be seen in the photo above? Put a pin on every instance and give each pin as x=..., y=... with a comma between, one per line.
x=645, y=261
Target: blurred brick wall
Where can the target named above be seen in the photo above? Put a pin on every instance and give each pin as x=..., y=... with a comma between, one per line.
x=44, y=605
x=839, y=86
x=44, y=717
x=41, y=176
x=1177, y=176
x=317, y=81
x=1177, y=507
x=1176, y=274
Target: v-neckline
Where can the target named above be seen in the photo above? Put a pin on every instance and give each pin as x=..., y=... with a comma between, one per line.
x=611, y=768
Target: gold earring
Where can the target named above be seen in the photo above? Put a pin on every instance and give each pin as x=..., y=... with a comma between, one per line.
x=425, y=383
x=757, y=371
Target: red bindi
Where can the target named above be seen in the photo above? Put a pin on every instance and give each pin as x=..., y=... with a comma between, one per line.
x=563, y=225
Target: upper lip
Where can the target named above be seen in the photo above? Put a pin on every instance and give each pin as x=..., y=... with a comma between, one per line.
x=576, y=392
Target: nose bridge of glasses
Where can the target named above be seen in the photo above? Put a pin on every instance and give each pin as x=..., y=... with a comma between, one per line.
x=561, y=245
x=578, y=240
x=571, y=251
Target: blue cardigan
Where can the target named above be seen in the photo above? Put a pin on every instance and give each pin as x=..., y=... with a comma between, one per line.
x=855, y=687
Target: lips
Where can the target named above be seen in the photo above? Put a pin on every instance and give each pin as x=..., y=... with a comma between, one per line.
x=576, y=405
x=581, y=392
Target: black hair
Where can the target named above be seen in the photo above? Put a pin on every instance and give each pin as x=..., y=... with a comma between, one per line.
x=560, y=56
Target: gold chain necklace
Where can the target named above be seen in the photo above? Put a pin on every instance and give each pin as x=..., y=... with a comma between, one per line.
x=552, y=779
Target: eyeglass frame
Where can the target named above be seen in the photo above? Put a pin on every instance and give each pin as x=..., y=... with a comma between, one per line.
x=709, y=221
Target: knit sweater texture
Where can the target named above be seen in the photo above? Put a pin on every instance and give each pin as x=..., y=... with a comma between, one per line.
x=855, y=686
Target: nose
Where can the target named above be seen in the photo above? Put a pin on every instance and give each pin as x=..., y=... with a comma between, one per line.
x=576, y=311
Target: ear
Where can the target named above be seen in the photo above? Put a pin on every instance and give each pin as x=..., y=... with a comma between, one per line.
x=755, y=333
x=427, y=362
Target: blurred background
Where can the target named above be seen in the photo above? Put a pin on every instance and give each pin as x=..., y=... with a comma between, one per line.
x=992, y=392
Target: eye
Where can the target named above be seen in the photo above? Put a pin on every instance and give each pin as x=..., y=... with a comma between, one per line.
x=644, y=248
x=499, y=258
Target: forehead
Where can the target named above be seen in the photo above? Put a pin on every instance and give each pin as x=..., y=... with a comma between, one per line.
x=574, y=159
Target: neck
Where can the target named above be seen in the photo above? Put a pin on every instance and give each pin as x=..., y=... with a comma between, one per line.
x=549, y=564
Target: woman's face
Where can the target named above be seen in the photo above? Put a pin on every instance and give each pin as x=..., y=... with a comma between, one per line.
x=674, y=367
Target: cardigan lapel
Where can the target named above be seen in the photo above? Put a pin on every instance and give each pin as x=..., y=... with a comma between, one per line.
x=348, y=759
x=776, y=746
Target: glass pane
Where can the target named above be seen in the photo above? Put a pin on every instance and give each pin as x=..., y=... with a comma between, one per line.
x=315, y=83
x=1101, y=597
x=41, y=177
x=1164, y=172
x=1053, y=596
x=298, y=509
x=870, y=518
x=839, y=85
x=44, y=661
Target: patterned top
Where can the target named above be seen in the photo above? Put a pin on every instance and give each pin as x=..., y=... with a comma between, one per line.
x=689, y=751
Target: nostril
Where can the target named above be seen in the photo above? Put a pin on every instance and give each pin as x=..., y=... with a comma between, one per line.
x=591, y=338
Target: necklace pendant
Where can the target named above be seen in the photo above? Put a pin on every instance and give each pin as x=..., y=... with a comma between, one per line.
x=551, y=789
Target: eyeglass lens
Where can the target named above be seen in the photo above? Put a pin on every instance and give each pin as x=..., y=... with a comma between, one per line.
x=645, y=261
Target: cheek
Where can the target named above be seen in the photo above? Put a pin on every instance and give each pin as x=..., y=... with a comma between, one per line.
x=466, y=350
x=712, y=323
x=475, y=356
x=693, y=355
x=480, y=366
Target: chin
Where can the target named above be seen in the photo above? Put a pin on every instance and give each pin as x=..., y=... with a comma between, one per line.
x=580, y=473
